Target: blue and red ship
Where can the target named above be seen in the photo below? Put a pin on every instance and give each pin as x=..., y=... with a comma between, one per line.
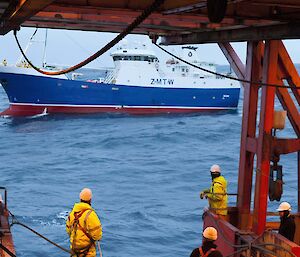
x=137, y=85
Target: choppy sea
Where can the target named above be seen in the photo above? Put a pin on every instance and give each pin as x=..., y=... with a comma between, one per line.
x=145, y=172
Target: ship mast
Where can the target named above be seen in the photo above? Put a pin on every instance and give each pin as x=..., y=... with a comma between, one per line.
x=45, y=45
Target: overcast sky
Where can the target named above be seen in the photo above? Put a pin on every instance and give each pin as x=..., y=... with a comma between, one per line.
x=67, y=47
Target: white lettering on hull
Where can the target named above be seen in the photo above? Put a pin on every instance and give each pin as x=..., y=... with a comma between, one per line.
x=162, y=81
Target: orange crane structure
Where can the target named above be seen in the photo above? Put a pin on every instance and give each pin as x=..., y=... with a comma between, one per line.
x=268, y=73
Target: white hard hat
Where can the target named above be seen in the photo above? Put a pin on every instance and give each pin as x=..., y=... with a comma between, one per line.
x=284, y=206
x=215, y=168
x=210, y=233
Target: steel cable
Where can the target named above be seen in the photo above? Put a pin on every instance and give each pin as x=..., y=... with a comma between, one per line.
x=276, y=246
x=7, y=250
x=236, y=252
x=40, y=235
x=226, y=76
x=15, y=221
x=104, y=49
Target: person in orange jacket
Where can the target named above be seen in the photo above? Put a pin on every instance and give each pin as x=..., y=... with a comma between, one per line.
x=84, y=227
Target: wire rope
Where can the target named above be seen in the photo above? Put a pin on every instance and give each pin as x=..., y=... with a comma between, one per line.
x=7, y=250
x=15, y=221
x=226, y=76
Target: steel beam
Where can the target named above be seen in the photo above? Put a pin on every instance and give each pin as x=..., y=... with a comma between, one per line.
x=288, y=105
x=20, y=11
x=233, y=59
x=282, y=31
x=285, y=146
x=187, y=23
x=298, y=155
x=253, y=71
x=265, y=138
x=289, y=70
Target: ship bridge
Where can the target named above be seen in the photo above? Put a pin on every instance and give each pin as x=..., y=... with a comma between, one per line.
x=268, y=72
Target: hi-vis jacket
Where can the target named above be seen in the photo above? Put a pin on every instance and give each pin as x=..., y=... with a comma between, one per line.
x=88, y=230
x=217, y=195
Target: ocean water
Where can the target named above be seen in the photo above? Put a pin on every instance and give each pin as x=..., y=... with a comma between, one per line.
x=145, y=172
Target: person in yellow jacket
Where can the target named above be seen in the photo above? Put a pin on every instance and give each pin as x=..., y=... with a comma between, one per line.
x=217, y=193
x=84, y=227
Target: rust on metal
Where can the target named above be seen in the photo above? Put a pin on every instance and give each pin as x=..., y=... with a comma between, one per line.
x=5, y=233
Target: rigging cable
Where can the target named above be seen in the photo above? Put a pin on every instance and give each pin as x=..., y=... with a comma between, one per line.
x=7, y=250
x=223, y=75
x=15, y=221
x=104, y=49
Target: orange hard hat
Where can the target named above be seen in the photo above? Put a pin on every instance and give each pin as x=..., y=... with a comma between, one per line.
x=85, y=194
x=210, y=233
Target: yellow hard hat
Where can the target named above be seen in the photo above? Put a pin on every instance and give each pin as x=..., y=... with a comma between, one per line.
x=215, y=168
x=210, y=233
x=284, y=206
x=85, y=194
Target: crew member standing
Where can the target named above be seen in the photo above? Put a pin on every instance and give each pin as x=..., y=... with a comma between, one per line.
x=84, y=227
x=208, y=248
x=287, y=226
x=217, y=193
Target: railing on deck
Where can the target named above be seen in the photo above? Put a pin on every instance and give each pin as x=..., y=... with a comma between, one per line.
x=274, y=225
x=246, y=243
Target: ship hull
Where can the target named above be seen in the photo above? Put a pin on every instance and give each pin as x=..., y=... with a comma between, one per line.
x=31, y=95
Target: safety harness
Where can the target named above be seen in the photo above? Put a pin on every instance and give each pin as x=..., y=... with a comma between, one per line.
x=80, y=252
x=213, y=186
x=207, y=253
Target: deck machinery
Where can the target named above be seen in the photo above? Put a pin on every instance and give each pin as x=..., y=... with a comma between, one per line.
x=263, y=24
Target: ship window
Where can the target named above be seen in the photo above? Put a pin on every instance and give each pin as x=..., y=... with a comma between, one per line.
x=137, y=58
x=117, y=58
x=182, y=69
x=125, y=57
x=173, y=69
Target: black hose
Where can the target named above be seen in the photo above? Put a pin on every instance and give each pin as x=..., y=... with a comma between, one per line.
x=109, y=45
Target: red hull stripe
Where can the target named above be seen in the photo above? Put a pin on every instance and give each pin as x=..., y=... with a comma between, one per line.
x=30, y=110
